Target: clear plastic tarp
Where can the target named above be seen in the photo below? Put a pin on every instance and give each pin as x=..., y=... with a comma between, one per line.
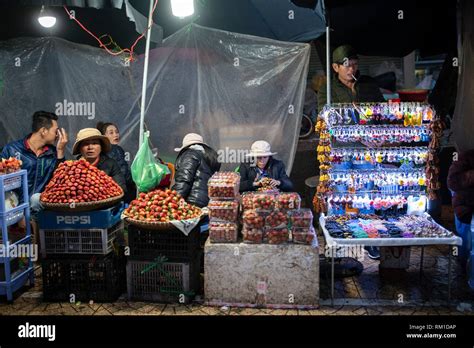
x=233, y=89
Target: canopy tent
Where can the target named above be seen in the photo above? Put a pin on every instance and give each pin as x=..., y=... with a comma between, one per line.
x=274, y=19
x=393, y=28
x=220, y=84
x=373, y=27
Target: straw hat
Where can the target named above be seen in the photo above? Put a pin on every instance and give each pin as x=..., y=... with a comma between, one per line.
x=90, y=134
x=260, y=148
x=190, y=139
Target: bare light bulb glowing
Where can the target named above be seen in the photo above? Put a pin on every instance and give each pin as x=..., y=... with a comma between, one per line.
x=46, y=19
x=182, y=8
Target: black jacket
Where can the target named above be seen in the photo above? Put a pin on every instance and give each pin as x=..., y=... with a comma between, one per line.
x=112, y=169
x=275, y=169
x=193, y=169
x=118, y=154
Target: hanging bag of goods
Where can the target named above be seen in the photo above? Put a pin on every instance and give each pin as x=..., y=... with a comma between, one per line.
x=147, y=173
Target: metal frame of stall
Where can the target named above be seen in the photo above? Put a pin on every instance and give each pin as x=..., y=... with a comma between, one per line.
x=452, y=242
x=422, y=242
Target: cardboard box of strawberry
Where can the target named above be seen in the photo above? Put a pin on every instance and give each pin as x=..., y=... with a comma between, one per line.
x=77, y=182
x=161, y=206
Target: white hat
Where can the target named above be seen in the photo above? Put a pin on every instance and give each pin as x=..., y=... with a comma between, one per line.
x=260, y=148
x=190, y=139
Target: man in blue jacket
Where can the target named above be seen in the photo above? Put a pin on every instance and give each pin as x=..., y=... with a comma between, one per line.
x=38, y=153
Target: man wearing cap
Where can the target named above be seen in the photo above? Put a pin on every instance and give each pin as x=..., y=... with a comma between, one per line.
x=195, y=164
x=347, y=85
x=263, y=166
x=92, y=146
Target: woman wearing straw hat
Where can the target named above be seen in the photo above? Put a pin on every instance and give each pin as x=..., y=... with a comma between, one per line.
x=263, y=166
x=91, y=145
x=195, y=165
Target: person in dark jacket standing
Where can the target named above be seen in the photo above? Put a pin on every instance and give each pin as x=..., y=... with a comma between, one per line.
x=347, y=85
x=195, y=164
x=92, y=146
x=39, y=156
x=263, y=166
x=111, y=131
x=461, y=182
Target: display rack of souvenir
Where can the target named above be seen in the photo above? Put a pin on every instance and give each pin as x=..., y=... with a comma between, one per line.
x=376, y=158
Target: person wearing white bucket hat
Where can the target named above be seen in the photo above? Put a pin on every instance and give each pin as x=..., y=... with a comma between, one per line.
x=263, y=166
x=195, y=164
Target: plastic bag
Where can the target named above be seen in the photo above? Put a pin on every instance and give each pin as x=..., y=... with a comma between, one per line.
x=147, y=173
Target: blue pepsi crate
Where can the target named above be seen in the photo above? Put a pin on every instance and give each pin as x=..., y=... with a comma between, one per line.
x=80, y=233
x=97, y=219
x=91, y=241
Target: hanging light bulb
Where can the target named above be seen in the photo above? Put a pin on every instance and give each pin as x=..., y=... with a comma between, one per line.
x=182, y=8
x=46, y=19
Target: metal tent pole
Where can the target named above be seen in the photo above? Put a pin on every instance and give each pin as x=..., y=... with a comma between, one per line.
x=328, y=59
x=145, y=72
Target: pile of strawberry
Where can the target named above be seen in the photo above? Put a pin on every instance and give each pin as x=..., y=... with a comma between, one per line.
x=161, y=206
x=10, y=165
x=266, y=185
x=79, y=182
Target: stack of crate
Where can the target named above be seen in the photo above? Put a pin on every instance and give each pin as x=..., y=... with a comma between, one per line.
x=163, y=264
x=224, y=207
x=82, y=256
